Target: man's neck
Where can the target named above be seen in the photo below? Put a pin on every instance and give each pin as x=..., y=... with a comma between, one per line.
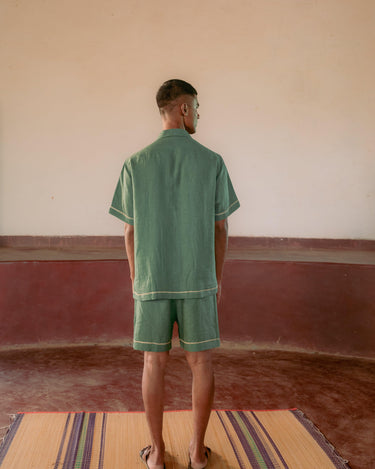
x=172, y=124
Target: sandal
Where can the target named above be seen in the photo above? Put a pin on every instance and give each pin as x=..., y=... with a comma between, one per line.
x=144, y=454
x=207, y=453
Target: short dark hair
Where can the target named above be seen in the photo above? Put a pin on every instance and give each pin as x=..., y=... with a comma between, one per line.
x=171, y=90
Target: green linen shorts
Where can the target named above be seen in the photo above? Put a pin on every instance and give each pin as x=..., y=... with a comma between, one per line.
x=197, y=321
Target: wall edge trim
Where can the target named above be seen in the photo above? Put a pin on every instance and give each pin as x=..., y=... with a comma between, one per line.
x=235, y=242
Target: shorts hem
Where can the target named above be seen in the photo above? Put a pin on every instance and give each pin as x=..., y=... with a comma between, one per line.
x=200, y=347
x=147, y=347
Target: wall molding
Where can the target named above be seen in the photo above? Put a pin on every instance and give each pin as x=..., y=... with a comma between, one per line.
x=235, y=242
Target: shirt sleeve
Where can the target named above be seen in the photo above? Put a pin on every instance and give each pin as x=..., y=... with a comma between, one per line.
x=226, y=201
x=122, y=202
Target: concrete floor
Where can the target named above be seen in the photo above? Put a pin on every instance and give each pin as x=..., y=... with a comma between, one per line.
x=336, y=393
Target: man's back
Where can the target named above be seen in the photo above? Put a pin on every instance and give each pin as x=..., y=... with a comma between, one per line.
x=173, y=191
x=175, y=196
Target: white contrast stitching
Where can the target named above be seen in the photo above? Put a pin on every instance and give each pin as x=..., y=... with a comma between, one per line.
x=202, y=342
x=152, y=343
x=189, y=291
x=122, y=213
x=227, y=210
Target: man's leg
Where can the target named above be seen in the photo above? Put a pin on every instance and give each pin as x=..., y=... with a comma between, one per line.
x=203, y=393
x=153, y=399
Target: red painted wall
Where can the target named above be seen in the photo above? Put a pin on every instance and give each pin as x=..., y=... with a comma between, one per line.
x=70, y=301
x=314, y=306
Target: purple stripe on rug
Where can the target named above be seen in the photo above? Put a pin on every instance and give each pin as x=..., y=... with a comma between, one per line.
x=235, y=450
x=57, y=463
x=259, y=443
x=271, y=441
x=321, y=440
x=71, y=452
x=86, y=459
x=245, y=444
x=10, y=436
x=102, y=442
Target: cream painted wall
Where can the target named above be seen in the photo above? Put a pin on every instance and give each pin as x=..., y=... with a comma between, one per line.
x=286, y=89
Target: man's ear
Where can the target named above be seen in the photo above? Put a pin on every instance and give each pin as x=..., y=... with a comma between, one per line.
x=184, y=109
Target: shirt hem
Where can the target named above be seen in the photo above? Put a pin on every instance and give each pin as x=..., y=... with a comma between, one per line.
x=173, y=295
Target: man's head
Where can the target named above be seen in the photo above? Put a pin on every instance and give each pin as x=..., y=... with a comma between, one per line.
x=178, y=104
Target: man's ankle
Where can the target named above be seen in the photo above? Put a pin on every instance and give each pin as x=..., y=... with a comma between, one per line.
x=197, y=450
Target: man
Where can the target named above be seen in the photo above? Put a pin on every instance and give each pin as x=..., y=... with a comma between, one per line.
x=175, y=196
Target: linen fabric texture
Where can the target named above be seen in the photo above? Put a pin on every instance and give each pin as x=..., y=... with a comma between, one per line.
x=197, y=320
x=173, y=191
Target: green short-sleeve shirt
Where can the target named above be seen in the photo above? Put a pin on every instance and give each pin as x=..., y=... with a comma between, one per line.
x=173, y=191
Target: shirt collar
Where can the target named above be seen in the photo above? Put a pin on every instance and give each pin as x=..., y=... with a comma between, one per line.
x=174, y=133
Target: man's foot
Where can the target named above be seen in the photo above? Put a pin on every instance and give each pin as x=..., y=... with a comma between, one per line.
x=201, y=464
x=144, y=455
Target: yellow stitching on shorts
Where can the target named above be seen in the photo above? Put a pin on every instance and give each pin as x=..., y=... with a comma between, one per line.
x=202, y=342
x=151, y=343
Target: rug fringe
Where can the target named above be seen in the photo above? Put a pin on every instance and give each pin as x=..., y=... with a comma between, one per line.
x=308, y=424
x=5, y=430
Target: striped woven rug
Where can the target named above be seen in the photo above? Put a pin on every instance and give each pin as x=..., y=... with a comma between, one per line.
x=283, y=439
